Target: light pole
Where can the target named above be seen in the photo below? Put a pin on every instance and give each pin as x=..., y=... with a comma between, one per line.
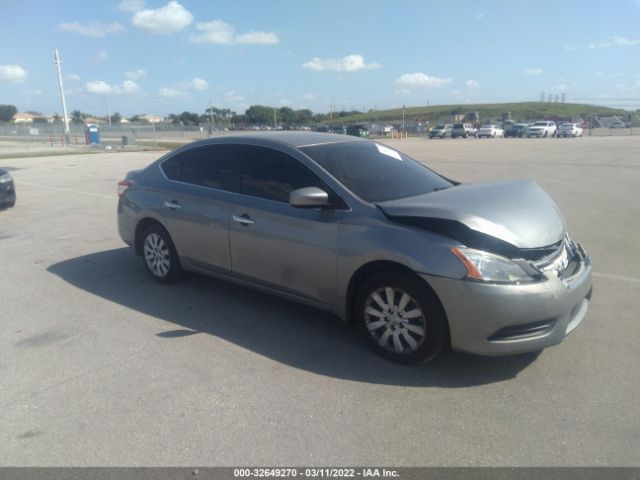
x=403, y=129
x=65, y=117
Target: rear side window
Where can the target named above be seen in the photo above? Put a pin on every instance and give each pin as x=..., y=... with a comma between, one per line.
x=211, y=166
x=171, y=167
x=273, y=175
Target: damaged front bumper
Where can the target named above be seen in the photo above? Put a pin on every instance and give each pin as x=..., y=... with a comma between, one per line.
x=499, y=319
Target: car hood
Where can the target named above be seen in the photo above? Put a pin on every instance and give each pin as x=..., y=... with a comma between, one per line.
x=517, y=212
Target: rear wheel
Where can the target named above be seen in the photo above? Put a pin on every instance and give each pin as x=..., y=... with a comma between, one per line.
x=401, y=318
x=159, y=255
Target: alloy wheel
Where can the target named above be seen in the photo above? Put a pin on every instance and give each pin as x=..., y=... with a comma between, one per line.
x=157, y=255
x=395, y=320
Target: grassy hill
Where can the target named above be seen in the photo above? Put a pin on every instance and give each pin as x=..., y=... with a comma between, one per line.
x=519, y=111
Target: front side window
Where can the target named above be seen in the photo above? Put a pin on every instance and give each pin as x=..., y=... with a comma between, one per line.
x=273, y=175
x=209, y=166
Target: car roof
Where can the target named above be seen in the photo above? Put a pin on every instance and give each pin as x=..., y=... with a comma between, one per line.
x=288, y=138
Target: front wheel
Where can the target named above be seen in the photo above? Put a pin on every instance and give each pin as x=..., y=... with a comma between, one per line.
x=159, y=255
x=401, y=318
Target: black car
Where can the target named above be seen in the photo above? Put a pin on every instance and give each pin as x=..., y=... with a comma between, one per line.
x=516, y=130
x=7, y=190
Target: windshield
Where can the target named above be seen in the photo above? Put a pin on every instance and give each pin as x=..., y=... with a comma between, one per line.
x=374, y=172
x=439, y=127
x=540, y=124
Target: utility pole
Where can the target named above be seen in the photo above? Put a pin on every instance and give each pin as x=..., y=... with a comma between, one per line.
x=210, y=117
x=274, y=117
x=65, y=117
x=108, y=111
x=403, y=129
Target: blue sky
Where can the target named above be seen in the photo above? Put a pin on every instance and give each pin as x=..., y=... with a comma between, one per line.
x=161, y=56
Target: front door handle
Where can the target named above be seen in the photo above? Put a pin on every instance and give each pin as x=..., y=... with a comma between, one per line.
x=243, y=219
x=172, y=204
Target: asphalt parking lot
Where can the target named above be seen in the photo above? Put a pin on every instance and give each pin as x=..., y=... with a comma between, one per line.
x=101, y=366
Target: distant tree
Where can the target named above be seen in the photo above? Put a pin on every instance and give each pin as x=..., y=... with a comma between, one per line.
x=7, y=112
x=286, y=116
x=189, y=118
x=77, y=116
x=116, y=118
x=259, y=114
x=39, y=119
x=136, y=118
x=304, y=116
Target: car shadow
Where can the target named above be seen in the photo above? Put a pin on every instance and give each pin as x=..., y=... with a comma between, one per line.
x=284, y=331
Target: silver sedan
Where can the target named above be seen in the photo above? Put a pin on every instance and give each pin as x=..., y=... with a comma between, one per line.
x=417, y=261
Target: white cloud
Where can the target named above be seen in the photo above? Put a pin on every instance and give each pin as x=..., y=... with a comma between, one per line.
x=166, y=92
x=131, y=5
x=199, y=84
x=135, y=74
x=608, y=75
x=12, y=73
x=533, y=71
x=221, y=33
x=100, y=87
x=615, y=41
x=421, y=80
x=402, y=91
x=128, y=87
x=233, y=97
x=626, y=42
x=350, y=63
x=257, y=38
x=93, y=29
x=171, y=18
x=480, y=16
x=74, y=77
x=102, y=56
x=472, y=84
x=309, y=96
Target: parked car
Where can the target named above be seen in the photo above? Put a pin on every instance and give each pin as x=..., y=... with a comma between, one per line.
x=417, y=261
x=569, y=130
x=542, y=129
x=490, y=131
x=517, y=130
x=7, y=190
x=463, y=130
x=339, y=129
x=441, y=131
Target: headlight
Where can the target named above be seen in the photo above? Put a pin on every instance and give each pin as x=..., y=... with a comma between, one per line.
x=6, y=178
x=487, y=267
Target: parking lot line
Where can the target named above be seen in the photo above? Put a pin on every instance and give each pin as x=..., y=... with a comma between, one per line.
x=68, y=190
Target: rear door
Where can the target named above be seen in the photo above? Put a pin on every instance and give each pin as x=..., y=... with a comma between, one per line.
x=278, y=245
x=196, y=207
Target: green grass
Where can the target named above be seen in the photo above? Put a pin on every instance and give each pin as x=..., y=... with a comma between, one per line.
x=519, y=112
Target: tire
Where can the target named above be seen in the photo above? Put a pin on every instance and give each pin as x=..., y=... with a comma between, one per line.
x=159, y=255
x=418, y=339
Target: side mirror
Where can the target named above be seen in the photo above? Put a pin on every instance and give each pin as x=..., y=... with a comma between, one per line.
x=309, y=197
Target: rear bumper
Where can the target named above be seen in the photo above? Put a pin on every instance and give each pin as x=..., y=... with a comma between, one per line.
x=491, y=319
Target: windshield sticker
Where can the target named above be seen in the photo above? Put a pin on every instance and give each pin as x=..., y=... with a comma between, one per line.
x=388, y=152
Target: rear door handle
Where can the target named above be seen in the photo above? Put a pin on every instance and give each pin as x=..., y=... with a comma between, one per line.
x=243, y=219
x=172, y=204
